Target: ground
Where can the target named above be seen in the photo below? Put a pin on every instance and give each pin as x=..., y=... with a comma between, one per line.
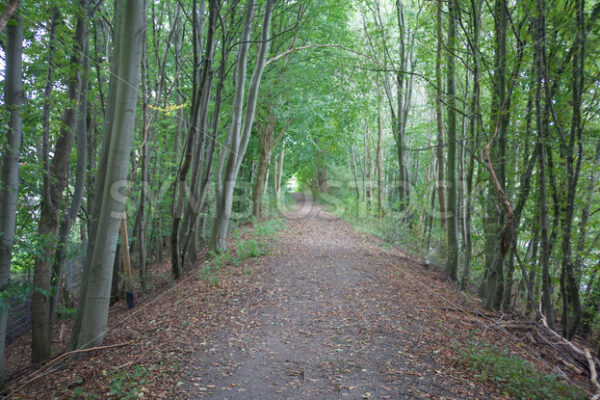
x=328, y=320
x=329, y=313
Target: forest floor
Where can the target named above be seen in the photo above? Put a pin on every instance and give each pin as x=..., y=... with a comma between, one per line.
x=332, y=316
x=328, y=313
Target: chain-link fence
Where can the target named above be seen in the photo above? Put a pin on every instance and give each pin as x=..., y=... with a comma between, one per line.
x=19, y=314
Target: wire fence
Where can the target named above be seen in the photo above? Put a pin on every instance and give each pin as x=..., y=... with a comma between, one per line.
x=19, y=314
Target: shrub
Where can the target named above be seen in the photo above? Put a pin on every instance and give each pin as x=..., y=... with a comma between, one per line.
x=513, y=375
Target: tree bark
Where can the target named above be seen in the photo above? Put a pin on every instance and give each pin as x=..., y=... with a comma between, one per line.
x=541, y=126
x=441, y=168
x=80, y=177
x=379, y=159
x=452, y=261
x=180, y=192
x=277, y=181
x=92, y=312
x=52, y=195
x=11, y=152
x=240, y=135
x=474, y=130
x=570, y=288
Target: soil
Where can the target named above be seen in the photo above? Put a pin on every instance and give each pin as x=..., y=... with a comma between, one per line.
x=330, y=319
x=328, y=313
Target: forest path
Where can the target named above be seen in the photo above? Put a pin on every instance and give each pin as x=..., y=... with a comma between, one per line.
x=329, y=315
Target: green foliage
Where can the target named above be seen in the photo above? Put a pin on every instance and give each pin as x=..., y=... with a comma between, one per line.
x=514, y=376
x=249, y=249
x=220, y=260
x=244, y=249
x=268, y=229
x=16, y=291
x=124, y=384
x=128, y=384
x=66, y=313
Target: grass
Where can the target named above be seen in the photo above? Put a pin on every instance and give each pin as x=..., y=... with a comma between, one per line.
x=263, y=232
x=514, y=376
x=123, y=384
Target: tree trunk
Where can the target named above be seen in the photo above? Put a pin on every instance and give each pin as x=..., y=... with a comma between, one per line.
x=474, y=130
x=441, y=168
x=80, y=177
x=452, y=261
x=571, y=301
x=92, y=312
x=240, y=135
x=277, y=181
x=541, y=127
x=9, y=189
x=51, y=202
x=180, y=192
x=499, y=235
x=355, y=170
x=379, y=159
x=259, y=183
x=203, y=167
x=141, y=217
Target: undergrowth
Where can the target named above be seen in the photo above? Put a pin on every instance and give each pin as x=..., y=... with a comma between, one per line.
x=262, y=233
x=123, y=384
x=514, y=376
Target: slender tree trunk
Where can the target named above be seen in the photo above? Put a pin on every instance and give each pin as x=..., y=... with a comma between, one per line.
x=453, y=246
x=474, y=130
x=355, y=170
x=379, y=159
x=51, y=203
x=127, y=275
x=403, y=98
x=441, y=168
x=571, y=301
x=77, y=199
x=141, y=217
x=259, y=183
x=240, y=135
x=92, y=312
x=497, y=231
x=280, y=173
x=203, y=167
x=9, y=189
x=180, y=192
x=541, y=126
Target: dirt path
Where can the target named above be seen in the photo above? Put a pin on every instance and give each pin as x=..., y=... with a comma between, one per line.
x=328, y=317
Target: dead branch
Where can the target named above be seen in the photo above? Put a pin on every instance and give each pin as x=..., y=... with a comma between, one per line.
x=585, y=352
x=47, y=368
